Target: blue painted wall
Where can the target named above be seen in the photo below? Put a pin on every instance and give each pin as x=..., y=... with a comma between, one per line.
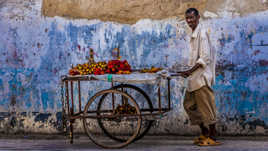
x=36, y=51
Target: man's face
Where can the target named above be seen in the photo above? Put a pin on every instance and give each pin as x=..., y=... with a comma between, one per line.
x=192, y=20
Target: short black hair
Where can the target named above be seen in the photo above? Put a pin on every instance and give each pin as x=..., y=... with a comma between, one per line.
x=190, y=10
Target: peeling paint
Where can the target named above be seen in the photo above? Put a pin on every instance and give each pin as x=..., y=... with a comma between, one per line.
x=36, y=51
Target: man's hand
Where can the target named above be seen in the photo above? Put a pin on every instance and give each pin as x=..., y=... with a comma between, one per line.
x=187, y=73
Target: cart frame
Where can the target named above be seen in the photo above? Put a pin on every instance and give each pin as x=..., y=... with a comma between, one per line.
x=69, y=115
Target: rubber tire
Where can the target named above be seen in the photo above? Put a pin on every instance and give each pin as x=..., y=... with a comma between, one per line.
x=120, y=145
x=141, y=134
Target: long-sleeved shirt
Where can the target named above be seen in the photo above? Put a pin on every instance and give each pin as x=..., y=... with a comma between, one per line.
x=201, y=52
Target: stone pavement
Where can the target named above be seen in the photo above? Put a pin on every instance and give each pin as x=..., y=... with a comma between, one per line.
x=148, y=143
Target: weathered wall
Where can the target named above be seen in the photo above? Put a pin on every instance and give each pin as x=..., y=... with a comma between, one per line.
x=37, y=50
x=131, y=11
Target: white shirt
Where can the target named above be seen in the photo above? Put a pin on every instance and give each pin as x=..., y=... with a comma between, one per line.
x=202, y=52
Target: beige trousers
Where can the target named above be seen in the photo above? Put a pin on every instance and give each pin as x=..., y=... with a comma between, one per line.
x=200, y=106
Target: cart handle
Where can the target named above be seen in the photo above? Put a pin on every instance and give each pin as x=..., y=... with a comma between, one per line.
x=175, y=74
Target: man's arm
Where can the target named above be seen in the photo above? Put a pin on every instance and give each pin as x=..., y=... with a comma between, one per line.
x=204, y=55
x=187, y=73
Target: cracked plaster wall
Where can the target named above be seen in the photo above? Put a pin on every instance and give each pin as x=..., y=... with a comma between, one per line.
x=131, y=11
x=37, y=50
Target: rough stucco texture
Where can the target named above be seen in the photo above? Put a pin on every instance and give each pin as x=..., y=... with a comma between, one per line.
x=130, y=11
x=124, y=11
x=36, y=51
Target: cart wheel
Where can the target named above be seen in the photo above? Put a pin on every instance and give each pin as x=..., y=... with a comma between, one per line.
x=120, y=124
x=142, y=99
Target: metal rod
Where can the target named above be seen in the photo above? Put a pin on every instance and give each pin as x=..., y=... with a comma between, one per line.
x=71, y=127
x=72, y=112
x=113, y=96
x=111, y=111
x=168, y=93
x=120, y=115
x=72, y=97
x=122, y=97
x=79, y=96
x=67, y=96
x=63, y=115
x=159, y=98
x=79, y=115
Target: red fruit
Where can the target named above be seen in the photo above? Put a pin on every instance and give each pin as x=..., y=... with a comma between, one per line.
x=121, y=66
x=107, y=71
x=74, y=72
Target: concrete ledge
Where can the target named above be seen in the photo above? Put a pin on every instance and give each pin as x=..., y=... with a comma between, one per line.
x=51, y=123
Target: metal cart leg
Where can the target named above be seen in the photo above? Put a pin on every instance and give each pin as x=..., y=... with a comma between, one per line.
x=72, y=113
x=63, y=102
x=71, y=129
x=69, y=114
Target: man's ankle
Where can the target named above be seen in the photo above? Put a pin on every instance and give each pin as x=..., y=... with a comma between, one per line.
x=212, y=131
x=204, y=130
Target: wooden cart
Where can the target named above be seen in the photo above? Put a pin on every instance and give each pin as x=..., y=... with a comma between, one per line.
x=119, y=115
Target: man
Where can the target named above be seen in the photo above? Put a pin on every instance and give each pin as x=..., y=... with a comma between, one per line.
x=199, y=100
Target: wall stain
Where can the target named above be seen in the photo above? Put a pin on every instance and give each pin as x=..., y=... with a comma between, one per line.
x=38, y=51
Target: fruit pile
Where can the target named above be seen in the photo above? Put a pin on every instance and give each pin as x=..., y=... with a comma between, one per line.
x=99, y=68
x=151, y=70
x=87, y=68
x=118, y=67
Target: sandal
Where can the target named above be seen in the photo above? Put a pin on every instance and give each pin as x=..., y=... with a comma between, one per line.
x=199, y=139
x=208, y=142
